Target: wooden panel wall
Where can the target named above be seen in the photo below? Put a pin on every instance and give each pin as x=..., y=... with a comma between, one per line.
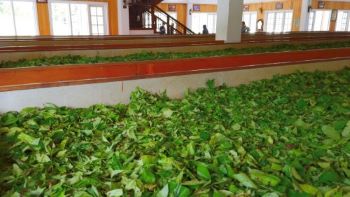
x=181, y=11
x=44, y=18
x=208, y=8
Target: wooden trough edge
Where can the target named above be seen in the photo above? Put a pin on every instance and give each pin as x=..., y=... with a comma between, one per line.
x=63, y=75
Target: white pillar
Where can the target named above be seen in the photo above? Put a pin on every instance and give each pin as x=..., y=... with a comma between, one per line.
x=189, y=15
x=304, y=16
x=229, y=20
x=123, y=19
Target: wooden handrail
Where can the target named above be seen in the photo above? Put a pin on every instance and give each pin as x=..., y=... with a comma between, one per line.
x=154, y=22
x=177, y=22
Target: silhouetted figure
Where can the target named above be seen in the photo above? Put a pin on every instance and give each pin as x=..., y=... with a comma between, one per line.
x=172, y=29
x=244, y=29
x=205, y=30
x=162, y=29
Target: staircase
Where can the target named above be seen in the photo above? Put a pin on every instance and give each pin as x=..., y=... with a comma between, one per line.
x=146, y=15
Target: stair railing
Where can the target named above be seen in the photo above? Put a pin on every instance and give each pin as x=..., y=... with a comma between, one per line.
x=173, y=25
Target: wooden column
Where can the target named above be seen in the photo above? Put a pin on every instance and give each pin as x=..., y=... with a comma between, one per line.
x=113, y=17
x=43, y=19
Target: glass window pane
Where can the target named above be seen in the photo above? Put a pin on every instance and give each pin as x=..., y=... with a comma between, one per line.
x=94, y=30
x=99, y=11
x=80, y=19
x=348, y=29
x=311, y=20
x=279, y=22
x=100, y=20
x=325, y=20
x=25, y=18
x=6, y=18
x=60, y=19
x=93, y=11
x=97, y=20
x=318, y=21
x=288, y=22
x=270, y=22
x=196, y=26
x=101, y=30
x=211, y=23
x=253, y=20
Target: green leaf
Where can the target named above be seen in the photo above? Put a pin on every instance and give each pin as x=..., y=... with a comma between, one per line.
x=346, y=131
x=17, y=171
x=164, y=192
x=28, y=139
x=42, y=158
x=308, y=189
x=203, y=172
x=8, y=119
x=167, y=113
x=218, y=194
x=346, y=148
x=328, y=177
x=181, y=191
x=147, y=176
x=292, y=193
x=263, y=178
x=244, y=180
x=115, y=193
x=331, y=132
x=296, y=175
x=273, y=194
x=37, y=192
x=115, y=163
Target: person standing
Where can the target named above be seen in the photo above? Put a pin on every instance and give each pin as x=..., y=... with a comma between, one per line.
x=162, y=29
x=244, y=29
x=172, y=29
x=205, y=30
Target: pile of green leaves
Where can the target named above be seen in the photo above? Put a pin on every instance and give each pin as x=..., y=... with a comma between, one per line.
x=287, y=136
x=76, y=59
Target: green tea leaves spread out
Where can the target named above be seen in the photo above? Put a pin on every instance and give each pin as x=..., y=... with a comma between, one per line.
x=287, y=136
x=76, y=59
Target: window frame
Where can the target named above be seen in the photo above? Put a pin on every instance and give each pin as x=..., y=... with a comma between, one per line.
x=274, y=23
x=36, y=19
x=250, y=13
x=89, y=4
x=313, y=21
x=347, y=27
x=207, y=14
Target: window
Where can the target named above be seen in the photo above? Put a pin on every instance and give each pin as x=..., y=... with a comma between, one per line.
x=250, y=19
x=78, y=18
x=319, y=20
x=97, y=20
x=343, y=21
x=199, y=19
x=279, y=21
x=18, y=18
x=163, y=17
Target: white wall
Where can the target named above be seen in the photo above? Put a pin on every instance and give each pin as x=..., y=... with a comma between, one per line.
x=123, y=19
